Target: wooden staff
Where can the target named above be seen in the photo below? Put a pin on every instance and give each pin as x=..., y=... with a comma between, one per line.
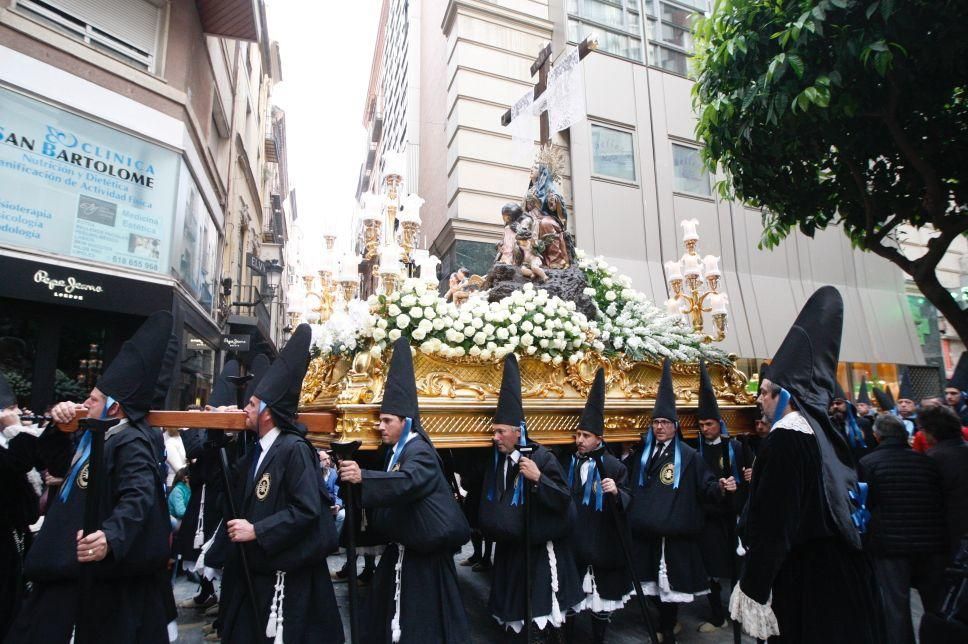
x=316, y=423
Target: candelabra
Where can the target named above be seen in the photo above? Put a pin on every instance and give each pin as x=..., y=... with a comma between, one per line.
x=392, y=251
x=333, y=286
x=701, y=277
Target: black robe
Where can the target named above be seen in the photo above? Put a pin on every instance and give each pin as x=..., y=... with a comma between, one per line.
x=18, y=510
x=596, y=540
x=822, y=589
x=718, y=539
x=294, y=534
x=414, y=506
x=206, y=482
x=130, y=599
x=552, y=521
x=669, y=521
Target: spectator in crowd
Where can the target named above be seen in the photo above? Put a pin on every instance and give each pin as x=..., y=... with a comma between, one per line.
x=942, y=429
x=330, y=480
x=178, y=498
x=906, y=535
x=174, y=454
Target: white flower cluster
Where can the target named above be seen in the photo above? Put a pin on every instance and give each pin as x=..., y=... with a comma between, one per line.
x=343, y=332
x=629, y=323
x=528, y=322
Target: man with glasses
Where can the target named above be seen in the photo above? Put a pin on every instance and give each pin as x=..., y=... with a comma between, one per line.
x=669, y=484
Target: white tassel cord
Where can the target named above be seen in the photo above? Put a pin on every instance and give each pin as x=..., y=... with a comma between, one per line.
x=395, y=629
x=557, y=618
x=212, y=574
x=199, y=540
x=758, y=619
x=275, y=624
x=595, y=602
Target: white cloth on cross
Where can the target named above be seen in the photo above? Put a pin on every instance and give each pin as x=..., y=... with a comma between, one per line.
x=523, y=128
x=564, y=97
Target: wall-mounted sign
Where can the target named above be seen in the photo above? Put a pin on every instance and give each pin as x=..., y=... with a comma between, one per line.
x=255, y=263
x=236, y=342
x=77, y=188
x=197, y=344
x=54, y=284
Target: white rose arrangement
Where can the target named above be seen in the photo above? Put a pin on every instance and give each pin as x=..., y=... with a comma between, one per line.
x=629, y=323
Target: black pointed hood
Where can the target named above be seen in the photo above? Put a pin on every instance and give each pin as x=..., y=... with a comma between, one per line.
x=281, y=386
x=862, y=395
x=905, y=390
x=7, y=397
x=510, y=410
x=258, y=368
x=131, y=377
x=400, y=388
x=959, y=377
x=593, y=415
x=166, y=373
x=763, y=373
x=805, y=366
x=885, y=401
x=665, y=398
x=708, y=408
x=839, y=393
x=223, y=393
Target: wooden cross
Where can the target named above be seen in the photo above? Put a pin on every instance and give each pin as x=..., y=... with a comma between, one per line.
x=541, y=67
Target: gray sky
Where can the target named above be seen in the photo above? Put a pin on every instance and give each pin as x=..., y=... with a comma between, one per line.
x=326, y=48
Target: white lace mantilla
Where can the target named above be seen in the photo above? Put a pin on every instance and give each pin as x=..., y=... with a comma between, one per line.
x=758, y=619
x=794, y=421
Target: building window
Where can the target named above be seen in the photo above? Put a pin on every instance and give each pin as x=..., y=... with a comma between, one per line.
x=670, y=32
x=618, y=23
x=690, y=174
x=123, y=29
x=613, y=153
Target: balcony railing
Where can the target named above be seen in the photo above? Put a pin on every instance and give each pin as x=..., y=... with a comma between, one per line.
x=248, y=302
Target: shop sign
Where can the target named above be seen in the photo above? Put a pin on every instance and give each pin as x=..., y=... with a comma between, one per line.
x=76, y=188
x=236, y=342
x=68, y=287
x=197, y=344
x=255, y=263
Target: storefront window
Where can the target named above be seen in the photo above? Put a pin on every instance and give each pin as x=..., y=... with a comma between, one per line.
x=197, y=245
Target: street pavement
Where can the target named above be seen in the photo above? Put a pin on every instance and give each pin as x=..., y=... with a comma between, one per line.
x=626, y=625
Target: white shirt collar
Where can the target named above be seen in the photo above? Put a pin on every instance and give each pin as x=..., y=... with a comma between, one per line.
x=719, y=439
x=266, y=441
x=515, y=456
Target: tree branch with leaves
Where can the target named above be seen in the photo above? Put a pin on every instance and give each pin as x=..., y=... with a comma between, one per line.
x=842, y=112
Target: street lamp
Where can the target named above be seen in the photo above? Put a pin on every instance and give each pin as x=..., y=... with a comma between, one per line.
x=273, y=277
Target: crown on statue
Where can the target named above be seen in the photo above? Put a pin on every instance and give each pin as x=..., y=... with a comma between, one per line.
x=553, y=157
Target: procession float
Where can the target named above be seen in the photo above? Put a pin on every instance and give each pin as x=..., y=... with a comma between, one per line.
x=564, y=315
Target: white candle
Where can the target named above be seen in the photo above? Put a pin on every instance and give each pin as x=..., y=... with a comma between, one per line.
x=717, y=303
x=711, y=266
x=673, y=271
x=394, y=165
x=411, y=208
x=349, y=268
x=690, y=265
x=428, y=269
x=390, y=259
x=689, y=229
x=672, y=306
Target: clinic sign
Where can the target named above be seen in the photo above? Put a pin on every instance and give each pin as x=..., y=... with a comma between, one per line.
x=74, y=187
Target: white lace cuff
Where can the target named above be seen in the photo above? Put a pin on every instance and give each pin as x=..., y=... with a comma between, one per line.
x=758, y=619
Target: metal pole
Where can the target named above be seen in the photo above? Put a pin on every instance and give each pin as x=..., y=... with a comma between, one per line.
x=347, y=451
x=526, y=451
x=621, y=526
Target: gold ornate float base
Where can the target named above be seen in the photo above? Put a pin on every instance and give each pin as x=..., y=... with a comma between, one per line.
x=457, y=397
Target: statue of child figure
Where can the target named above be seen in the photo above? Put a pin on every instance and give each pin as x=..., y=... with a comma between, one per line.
x=525, y=254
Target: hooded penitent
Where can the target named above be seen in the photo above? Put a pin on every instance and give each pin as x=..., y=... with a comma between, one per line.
x=862, y=395
x=166, y=373
x=281, y=386
x=131, y=377
x=510, y=411
x=805, y=367
x=708, y=407
x=260, y=365
x=400, y=394
x=905, y=390
x=7, y=397
x=665, y=407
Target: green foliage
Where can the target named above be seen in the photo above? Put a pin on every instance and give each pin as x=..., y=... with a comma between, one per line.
x=837, y=111
x=849, y=112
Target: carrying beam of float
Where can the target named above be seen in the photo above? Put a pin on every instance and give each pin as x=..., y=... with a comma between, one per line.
x=316, y=423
